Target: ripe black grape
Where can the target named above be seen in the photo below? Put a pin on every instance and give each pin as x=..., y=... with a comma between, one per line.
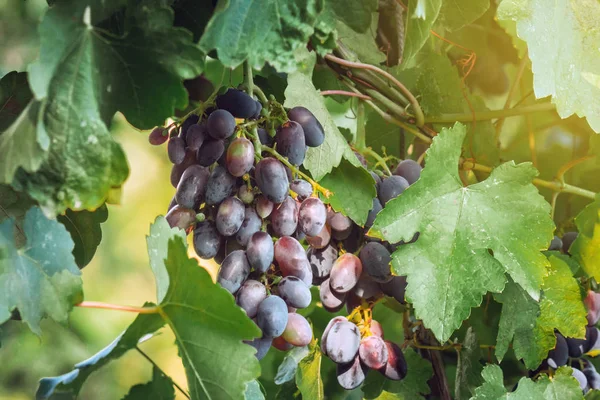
x=272, y=316
x=234, y=271
x=555, y=244
x=240, y=156
x=262, y=346
x=313, y=130
x=376, y=261
x=250, y=295
x=373, y=213
x=302, y=188
x=230, y=216
x=290, y=142
x=322, y=239
x=221, y=185
x=284, y=218
x=578, y=347
x=391, y=187
x=559, y=355
x=345, y=273
x=351, y=375
x=409, y=170
x=395, y=288
x=210, y=152
x=343, y=341
x=272, y=179
x=158, y=136
x=568, y=239
x=176, y=150
x=192, y=187
x=178, y=170
x=181, y=217
x=297, y=331
x=207, y=240
x=191, y=120
x=373, y=352
x=220, y=124
x=331, y=323
x=260, y=251
x=366, y=287
x=250, y=225
x=292, y=260
x=321, y=261
x=341, y=226
x=331, y=300
x=294, y=292
x=265, y=138
x=312, y=216
x=257, y=110
x=195, y=136
x=264, y=206
x=581, y=379
x=395, y=368
x=238, y=103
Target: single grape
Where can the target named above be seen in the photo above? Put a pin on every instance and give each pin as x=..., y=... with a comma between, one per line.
x=373, y=352
x=260, y=251
x=594, y=340
x=581, y=379
x=592, y=375
x=262, y=346
x=568, y=239
x=298, y=234
x=341, y=226
x=178, y=170
x=207, y=239
x=391, y=187
x=220, y=186
x=322, y=239
x=409, y=170
x=250, y=225
x=352, y=301
x=351, y=375
x=321, y=261
x=199, y=88
x=559, y=355
x=302, y=188
x=345, y=273
x=272, y=179
x=578, y=347
x=233, y=271
x=343, y=341
x=367, y=288
x=280, y=344
x=294, y=292
x=191, y=120
x=210, y=152
x=192, y=187
x=238, y=103
x=312, y=216
x=313, y=131
x=376, y=328
x=245, y=194
x=297, y=331
x=376, y=260
x=375, y=177
x=331, y=300
x=195, y=136
x=284, y=218
x=220, y=124
x=290, y=142
x=373, y=213
x=172, y=204
x=176, y=150
x=272, y=316
x=353, y=242
x=395, y=288
x=592, y=303
x=555, y=244
x=257, y=110
x=230, y=216
x=158, y=136
x=331, y=323
x=292, y=260
x=264, y=206
x=265, y=138
x=181, y=217
x=240, y=156
x=250, y=295
x=395, y=368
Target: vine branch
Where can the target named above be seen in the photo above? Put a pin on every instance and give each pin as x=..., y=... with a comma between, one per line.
x=117, y=307
x=344, y=93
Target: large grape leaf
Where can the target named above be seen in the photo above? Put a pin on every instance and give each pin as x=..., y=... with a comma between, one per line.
x=209, y=329
x=562, y=39
x=268, y=32
x=469, y=236
x=362, y=45
x=458, y=13
x=421, y=16
x=41, y=278
x=586, y=248
x=530, y=325
x=84, y=227
x=159, y=388
x=308, y=374
x=67, y=386
x=562, y=385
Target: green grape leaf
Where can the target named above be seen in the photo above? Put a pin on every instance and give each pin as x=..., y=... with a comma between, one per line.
x=193, y=15
x=41, y=278
x=571, y=76
x=451, y=266
x=71, y=383
x=468, y=367
x=586, y=248
x=241, y=30
x=308, y=374
x=413, y=386
x=14, y=97
x=421, y=16
x=209, y=329
x=361, y=45
x=353, y=191
x=531, y=325
x=84, y=227
x=253, y=391
x=159, y=388
x=355, y=13
x=458, y=13
x=158, y=246
x=287, y=369
x=300, y=91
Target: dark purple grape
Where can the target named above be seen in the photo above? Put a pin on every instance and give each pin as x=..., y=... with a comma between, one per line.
x=351, y=375
x=284, y=218
x=240, y=156
x=220, y=124
x=345, y=273
x=555, y=244
x=391, y=187
x=409, y=170
x=559, y=355
x=395, y=368
x=265, y=138
x=250, y=226
x=593, y=378
x=375, y=177
x=207, y=240
x=321, y=261
x=192, y=187
x=210, y=152
x=260, y=251
x=352, y=301
x=373, y=213
x=172, y=204
x=250, y=295
x=313, y=130
x=292, y=260
x=280, y=344
x=331, y=300
x=234, y=271
x=238, y=103
x=158, y=136
x=376, y=260
x=341, y=226
x=343, y=341
x=264, y=206
x=367, y=288
x=257, y=110
x=272, y=179
x=294, y=292
x=245, y=194
x=299, y=235
x=221, y=185
x=578, y=347
x=297, y=331
x=331, y=323
x=230, y=216
x=181, y=217
x=195, y=136
x=373, y=352
x=312, y=216
x=302, y=188
x=290, y=142
x=568, y=239
x=176, y=150
x=191, y=120
x=581, y=379
x=322, y=239
x=178, y=170
x=395, y=288
x=272, y=316
x=262, y=346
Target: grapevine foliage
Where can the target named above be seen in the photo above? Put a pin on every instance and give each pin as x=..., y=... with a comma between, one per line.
x=396, y=197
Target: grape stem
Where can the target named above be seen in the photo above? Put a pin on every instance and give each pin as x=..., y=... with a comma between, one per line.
x=248, y=77
x=380, y=161
x=344, y=93
x=116, y=307
x=151, y=361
